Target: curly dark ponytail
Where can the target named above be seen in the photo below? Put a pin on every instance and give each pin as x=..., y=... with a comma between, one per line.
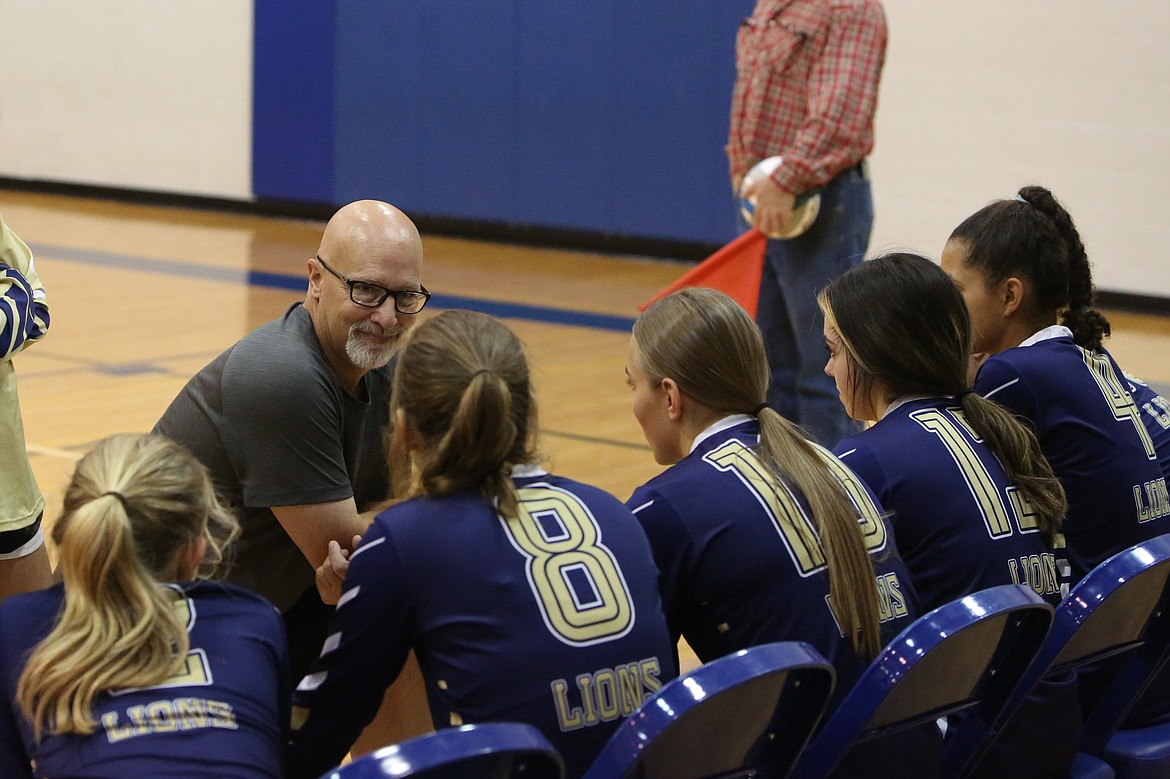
x=1033, y=236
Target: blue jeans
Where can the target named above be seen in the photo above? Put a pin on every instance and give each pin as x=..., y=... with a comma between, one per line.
x=795, y=270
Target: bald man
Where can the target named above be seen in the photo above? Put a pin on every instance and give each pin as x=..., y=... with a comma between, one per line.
x=291, y=420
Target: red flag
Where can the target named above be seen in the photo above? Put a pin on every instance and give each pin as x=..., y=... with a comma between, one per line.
x=734, y=270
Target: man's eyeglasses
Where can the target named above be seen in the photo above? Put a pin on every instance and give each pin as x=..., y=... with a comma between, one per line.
x=406, y=301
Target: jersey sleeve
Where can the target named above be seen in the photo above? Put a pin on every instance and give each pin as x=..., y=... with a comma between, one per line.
x=283, y=433
x=673, y=551
x=24, y=311
x=370, y=636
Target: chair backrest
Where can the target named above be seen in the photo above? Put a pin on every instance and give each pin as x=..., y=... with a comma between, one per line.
x=752, y=710
x=1121, y=607
x=966, y=655
x=495, y=750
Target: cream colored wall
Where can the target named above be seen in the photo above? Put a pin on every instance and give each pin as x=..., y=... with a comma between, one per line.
x=980, y=98
x=138, y=94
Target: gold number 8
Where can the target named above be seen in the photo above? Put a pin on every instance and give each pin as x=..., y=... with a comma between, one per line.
x=578, y=584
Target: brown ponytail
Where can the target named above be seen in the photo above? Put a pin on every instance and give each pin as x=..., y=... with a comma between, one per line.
x=462, y=382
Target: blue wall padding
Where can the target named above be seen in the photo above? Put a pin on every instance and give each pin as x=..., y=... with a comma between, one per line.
x=605, y=116
x=292, y=100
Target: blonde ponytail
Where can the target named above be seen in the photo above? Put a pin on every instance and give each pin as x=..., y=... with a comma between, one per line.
x=133, y=504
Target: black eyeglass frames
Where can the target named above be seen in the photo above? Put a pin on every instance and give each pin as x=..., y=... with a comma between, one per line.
x=370, y=295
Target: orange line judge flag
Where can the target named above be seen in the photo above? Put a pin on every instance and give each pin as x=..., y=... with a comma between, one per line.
x=734, y=270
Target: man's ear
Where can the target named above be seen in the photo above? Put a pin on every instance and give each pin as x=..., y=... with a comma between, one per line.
x=315, y=276
x=673, y=397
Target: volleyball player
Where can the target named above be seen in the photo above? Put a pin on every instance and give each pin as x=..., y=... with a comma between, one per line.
x=526, y=596
x=973, y=502
x=1023, y=271
x=759, y=534
x=132, y=666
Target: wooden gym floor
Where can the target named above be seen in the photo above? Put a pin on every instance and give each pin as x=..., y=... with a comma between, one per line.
x=142, y=297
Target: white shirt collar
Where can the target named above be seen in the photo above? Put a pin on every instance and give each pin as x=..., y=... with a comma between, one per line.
x=527, y=471
x=1047, y=334
x=723, y=424
x=903, y=401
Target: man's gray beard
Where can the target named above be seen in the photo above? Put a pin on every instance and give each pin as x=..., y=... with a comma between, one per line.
x=366, y=354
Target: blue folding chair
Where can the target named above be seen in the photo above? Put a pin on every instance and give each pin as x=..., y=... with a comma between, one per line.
x=1122, y=607
x=495, y=750
x=1117, y=613
x=1139, y=753
x=746, y=712
x=964, y=656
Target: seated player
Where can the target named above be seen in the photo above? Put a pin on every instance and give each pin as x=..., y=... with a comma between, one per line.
x=132, y=666
x=973, y=502
x=760, y=534
x=526, y=597
x=1021, y=268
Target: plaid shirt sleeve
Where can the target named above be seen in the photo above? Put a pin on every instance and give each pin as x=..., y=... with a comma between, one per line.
x=806, y=88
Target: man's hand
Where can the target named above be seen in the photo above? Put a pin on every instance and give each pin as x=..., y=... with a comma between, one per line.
x=773, y=205
x=331, y=573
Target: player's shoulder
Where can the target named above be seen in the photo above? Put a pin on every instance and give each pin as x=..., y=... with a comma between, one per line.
x=858, y=445
x=1043, y=368
x=1006, y=368
x=29, y=607
x=681, y=478
x=227, y=598
x=587, y=493
x=25, y=619
x=408, y=529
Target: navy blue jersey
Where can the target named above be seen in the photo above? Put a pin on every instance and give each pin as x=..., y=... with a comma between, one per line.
x=552, y=618
x=1155, y=412
x=225, y=715
x=736, y=569
x=1093, y=435
x=961, y=525
x=741, y=567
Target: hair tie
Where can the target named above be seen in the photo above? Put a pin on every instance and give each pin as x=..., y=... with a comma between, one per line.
x=121, y=498
x=1020, y=198
x=756, y=411
x=963, y=393
x=482, y=370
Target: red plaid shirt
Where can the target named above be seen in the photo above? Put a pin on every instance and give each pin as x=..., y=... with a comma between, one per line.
x=806, y=88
